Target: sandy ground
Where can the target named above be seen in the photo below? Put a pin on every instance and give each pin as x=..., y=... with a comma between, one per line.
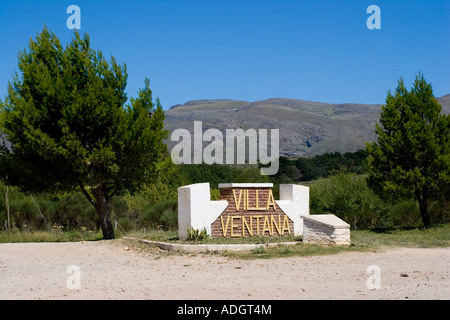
x=110, y=270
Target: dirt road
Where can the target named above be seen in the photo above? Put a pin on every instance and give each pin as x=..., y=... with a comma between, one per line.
x=110, y=270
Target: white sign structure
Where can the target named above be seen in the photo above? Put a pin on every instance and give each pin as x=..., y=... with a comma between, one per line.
x=249, y=209
x=197, y=211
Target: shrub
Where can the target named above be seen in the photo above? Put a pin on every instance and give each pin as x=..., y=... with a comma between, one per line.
x=440, y=211
x=125, y=223
x=75, y=211
x=197, y=235
x=348, y=197
x=405, y=213
x=215, y=194
x=23, y=212
x=162, y=215
x=169, y=219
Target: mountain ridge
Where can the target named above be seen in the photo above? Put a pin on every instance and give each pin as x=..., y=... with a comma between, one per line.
x=307, y=128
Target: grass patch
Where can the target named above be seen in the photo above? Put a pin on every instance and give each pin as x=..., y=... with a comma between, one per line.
x=436, y=236
x=156, y=235
x=49, y=236
x=172, y=237
x=299, y=250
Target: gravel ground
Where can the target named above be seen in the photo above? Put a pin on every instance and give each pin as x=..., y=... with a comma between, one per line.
x=111, y=270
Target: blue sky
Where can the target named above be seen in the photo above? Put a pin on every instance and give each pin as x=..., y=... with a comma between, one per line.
x=250, y=50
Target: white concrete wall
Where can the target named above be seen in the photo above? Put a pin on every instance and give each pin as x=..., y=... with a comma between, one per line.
x=196, y=210
x=294, y=201
x=193, y=208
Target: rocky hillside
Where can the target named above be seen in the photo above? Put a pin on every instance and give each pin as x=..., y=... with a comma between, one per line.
x=307, y=128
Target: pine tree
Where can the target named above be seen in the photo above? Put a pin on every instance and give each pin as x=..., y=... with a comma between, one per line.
x=412, y=154
x=70, y=127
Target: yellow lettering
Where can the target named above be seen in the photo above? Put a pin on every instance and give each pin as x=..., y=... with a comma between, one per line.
x=286, y=225
x=245, y=199
x=256, y=201
x=266, y=223
x=234, y=226
x=257, y=224
x=224, y=230
x=237, y=202
x=271, y=201
x=256, y=207
x=249, y=229
x=273, y=222
x=270, y=222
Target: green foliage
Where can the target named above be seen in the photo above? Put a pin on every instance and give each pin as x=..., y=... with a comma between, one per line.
x=32, y=212
x=215, y=194
x=259, y=250
x=436, y=236
x=126, y=224
x=49, y=236
x=169, y=219
x=251, y=175
x=74, y=211
x=320, y=166
x=412, y=155
x=440, y=211
x=348, y=197
x=197, y=235
x=162, y=215
x=70, y=128
x=163, y=187
x=405, y=214
x=214, y=173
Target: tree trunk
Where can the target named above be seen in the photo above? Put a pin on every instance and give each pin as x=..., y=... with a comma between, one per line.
x=105, y=223
x=423, y=206
x=101, y=204
x=102, y=208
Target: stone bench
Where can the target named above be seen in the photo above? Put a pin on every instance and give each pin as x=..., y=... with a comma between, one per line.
x=325, y=229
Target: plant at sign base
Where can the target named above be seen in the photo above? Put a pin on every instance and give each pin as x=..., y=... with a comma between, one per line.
x=70, y=128
x=197, y=235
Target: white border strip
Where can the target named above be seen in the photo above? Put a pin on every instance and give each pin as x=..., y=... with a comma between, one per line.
x=209, y=247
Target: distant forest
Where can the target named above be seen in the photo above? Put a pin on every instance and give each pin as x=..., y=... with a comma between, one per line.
x=291, y=170
x=321, y=166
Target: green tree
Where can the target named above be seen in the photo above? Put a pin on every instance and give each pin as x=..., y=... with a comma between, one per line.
x=70, y=127
x=412, y=155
